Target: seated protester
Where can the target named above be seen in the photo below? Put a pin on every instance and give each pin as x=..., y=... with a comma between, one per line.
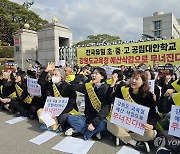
x=96, y=107
x=22, y=102
x=137, y=92
x=57, y=87
x=7, y=89
x=84, y=76
x=150, y=76
x=69, y=76
x=76, y=70
x=155, y=66
x=116, y=82
x=165, y=83
x=171, y=97
x=30, y=72
x=37, y=101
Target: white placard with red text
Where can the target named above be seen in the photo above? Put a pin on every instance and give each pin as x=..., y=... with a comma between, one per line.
x=174, y=125
x=55, y=105
x=129, y=115
x=33, y=87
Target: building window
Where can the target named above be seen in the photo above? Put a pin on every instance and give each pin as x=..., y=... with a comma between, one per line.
x=157, y=33
x=157, y=25
x=157, y=28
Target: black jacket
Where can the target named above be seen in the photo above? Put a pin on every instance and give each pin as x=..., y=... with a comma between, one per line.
x=91, y=114
x=7, y=88
x=24, y=93
x=65, y=89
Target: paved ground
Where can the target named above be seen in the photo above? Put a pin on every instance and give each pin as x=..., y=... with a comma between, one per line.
x=14, y=139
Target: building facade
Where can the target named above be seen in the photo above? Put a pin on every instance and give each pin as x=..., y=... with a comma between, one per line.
x=161, y=25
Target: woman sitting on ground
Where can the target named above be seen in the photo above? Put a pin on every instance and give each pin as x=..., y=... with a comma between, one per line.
x=138, y=92
x=57, y=87
x=21, y=103
x=96, y=107
x=7, y=89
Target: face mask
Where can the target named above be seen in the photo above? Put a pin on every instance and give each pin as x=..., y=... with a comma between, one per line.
x=55, y=79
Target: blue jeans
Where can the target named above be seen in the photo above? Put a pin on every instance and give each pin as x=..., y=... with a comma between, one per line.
x=79, y=123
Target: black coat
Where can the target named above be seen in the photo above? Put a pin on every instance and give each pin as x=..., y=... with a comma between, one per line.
x=65, y=89
x=91, y=114
x=7, y=89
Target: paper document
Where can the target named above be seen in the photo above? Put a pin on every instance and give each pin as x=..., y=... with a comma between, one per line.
x=127, y=150
x=43, y=138
x=16, y=120
x=47, y=119
x=74, y=145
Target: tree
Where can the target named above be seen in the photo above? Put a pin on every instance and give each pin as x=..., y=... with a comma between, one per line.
x=100, y=38
x=13, y=17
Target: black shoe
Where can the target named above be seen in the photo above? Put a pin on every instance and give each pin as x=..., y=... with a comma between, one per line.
x=11, y=110
x=143, y=146
x=163, y=150
x=31, y=116
x=18, y=114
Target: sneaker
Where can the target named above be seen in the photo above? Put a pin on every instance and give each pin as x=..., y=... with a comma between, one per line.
x=163, y=150
x=43, y=127
x=70, y=131
x=98, y=136
x=143, y=146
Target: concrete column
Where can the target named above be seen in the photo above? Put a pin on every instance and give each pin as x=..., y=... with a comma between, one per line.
x=25, y=47
x=50, y=38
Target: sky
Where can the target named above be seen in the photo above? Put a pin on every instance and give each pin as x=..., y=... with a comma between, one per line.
x=122, y=18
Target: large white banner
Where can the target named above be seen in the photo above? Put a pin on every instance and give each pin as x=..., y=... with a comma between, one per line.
x=55, y=105
x=33, y=87
x=129, y=115
x=174, y=125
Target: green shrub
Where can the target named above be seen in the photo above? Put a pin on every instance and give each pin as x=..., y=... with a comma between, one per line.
x=6, y=52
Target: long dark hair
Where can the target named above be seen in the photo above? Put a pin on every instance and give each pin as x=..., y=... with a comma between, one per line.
x=144, y=88
x=22, y=74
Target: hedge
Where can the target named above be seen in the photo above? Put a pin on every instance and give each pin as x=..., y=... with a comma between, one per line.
x=6, y=52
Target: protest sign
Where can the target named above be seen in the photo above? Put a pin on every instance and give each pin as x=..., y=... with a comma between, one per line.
x=155, y=75
x=80, y=99
x=11, y=66
x=109, y=70
x=163, y=51
x=165, y=70
x=55, y=105
x=61, y=63
x=129, y=115
x=33, y=87
x=151, y=85
x=174, y=125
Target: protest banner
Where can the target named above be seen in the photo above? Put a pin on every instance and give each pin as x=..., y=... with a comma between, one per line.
x=165, y=70
x=109, y=70
x=11, y=66
x=129, y=115
x=151, y=85
x=163, y=51
x=55, y=105
x=174, y=125
x=33, y=87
